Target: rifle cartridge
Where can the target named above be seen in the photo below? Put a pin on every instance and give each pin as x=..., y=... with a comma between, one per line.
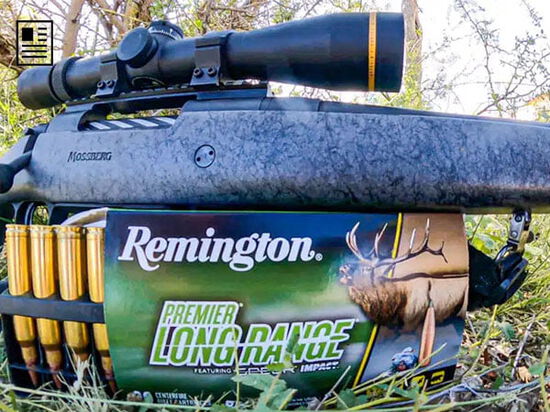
x=44, y=282
x=72, y=283
x=95, y=257
x=19, y=283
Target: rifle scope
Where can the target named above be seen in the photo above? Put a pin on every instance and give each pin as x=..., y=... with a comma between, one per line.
x=351, y=51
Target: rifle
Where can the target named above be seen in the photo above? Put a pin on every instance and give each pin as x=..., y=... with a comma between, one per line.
x=233, y=146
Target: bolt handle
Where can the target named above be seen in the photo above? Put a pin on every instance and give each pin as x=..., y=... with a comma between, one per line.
x=9, y=170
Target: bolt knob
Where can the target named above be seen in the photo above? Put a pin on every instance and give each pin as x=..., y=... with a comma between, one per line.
x=7, y=174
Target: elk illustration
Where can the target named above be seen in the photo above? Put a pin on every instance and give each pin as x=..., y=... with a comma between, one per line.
x=407, y=300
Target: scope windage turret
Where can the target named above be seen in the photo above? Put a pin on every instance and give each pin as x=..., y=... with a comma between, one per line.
x=352, y=51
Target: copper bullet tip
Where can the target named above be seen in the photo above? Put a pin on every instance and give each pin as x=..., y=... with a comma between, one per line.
x=83, y=357
x=34, y=376
x=112, y=385
x=56, y=380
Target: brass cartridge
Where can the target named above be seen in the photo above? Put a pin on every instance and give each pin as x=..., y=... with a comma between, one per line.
x=72, y=283
x=44, y=285
x=19, y=283
x=95, y=239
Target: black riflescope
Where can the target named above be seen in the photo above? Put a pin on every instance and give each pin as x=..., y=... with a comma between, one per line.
x=351, y=51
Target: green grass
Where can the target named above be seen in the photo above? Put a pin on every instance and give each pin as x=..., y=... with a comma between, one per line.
x=14, y=118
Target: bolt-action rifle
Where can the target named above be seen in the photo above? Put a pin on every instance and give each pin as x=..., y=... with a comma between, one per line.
x=235, y=146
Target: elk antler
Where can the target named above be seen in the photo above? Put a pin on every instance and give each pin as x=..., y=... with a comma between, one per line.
x=375, y=250
x=413, y=252
x=351, y=241
x=372, y=258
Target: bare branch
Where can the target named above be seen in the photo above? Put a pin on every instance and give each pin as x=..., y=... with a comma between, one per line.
x=72, y=25
x=110, y=15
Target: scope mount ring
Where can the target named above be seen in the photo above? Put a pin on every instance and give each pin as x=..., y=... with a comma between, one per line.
x=209, y=70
